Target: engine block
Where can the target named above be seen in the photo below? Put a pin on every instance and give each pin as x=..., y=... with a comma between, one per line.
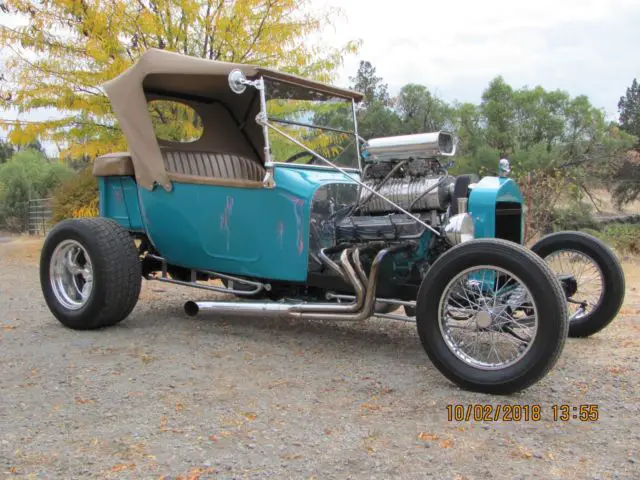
x=405, y=191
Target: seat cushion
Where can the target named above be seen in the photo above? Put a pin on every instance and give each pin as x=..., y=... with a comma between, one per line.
x=113, y=164
x=212, y=165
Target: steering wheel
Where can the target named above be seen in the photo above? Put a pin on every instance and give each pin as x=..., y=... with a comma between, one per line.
x=302, y=154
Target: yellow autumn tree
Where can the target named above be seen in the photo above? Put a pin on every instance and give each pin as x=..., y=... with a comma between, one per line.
x=61, y=51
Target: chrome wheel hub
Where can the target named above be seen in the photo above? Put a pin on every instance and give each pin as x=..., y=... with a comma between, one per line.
x=487, y=318
x=587, y=276
x=71, y=274
x=483, y=319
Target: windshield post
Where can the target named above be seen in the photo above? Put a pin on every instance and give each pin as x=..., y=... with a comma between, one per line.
x=269, y=179
x=355, y=132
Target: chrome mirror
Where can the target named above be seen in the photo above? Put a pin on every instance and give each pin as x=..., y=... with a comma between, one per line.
x=237, y=81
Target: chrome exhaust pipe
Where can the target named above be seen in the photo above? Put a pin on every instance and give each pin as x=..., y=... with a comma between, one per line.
x=361, y=309
x=290, y=310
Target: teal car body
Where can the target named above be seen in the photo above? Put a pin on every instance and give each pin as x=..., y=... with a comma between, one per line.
x=260, y=232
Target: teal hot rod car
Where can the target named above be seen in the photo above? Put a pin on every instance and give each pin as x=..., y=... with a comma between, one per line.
x=248, y=194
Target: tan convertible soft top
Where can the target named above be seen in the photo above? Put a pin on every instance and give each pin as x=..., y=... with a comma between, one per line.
x=228, y=119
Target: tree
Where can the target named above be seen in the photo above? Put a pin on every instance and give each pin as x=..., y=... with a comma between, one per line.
x=6, y=150
x=27, y=175
x=370, y=85
x=629, y=109
x=499, y=111
x=67, y=50
x=420, y=110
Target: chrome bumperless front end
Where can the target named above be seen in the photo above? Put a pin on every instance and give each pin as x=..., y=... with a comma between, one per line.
x=349, y=267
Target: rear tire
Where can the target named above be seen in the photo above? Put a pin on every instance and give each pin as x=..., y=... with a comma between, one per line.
x=109, y=262
x=612, y=277
x=543, y=349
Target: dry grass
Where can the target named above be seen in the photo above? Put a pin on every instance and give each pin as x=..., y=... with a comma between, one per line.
x=604, y=205
x=23, y=249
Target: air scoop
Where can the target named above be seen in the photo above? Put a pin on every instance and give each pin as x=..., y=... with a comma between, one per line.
x=419, y=145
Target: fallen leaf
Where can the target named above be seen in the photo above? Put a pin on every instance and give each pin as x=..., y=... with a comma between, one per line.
x=13, y=470
x=369, y=406
x=249, y=416
x=146, y=359
x=164, y=421
x=82, y=401
x=8, y=327
x=523, y=452
x=446, y=443
x=427, y=436
x=122, y=466
x=179, y=407
x=550, y=456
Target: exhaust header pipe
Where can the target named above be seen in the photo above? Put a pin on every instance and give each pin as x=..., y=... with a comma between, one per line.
x=361, y=309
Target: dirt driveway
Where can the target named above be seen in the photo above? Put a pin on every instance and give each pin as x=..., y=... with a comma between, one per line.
x=167, y=396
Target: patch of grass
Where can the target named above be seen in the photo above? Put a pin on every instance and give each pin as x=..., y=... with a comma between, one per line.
x=623, y=237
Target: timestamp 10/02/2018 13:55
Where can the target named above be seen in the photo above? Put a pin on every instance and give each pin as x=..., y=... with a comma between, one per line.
x=518, y=413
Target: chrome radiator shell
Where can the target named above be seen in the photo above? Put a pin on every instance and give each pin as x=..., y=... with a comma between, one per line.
x=404, y=191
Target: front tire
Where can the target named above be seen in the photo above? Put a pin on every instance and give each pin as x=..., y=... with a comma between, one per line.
x=90, y=273
x=570, y=253
x=490, y=312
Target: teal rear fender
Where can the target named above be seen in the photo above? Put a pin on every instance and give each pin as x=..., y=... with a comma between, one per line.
x=118, y=200
x=496, y=207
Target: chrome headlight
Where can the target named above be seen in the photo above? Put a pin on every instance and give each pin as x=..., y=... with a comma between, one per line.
x=459, y=229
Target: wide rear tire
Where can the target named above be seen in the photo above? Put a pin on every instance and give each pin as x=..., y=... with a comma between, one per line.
x=545, y=343
x=90, y=273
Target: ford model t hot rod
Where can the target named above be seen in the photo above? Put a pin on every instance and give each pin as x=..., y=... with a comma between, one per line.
x=252, y=200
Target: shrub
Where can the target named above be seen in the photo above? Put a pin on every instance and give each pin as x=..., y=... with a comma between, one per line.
x=27, y=175
x=77, y=197
x=623, y=237
x=578, y=216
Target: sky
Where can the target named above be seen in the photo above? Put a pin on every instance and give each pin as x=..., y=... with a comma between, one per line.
x=456, y=47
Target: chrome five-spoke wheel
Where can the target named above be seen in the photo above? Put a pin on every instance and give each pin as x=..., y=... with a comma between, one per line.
x=71, y=274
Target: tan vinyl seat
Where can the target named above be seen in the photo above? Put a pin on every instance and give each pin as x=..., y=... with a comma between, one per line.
x=113, y=165
x=212, y=168
x=212, y=165
x=190, y=167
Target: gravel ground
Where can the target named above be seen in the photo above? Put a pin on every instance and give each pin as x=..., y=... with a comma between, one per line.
x=163, y=395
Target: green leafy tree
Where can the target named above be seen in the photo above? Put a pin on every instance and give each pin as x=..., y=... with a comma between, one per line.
x=626, y=179
x=6, y=150
x=629, y=109
x=421, y=111
x=27, y=175
x=498, y=109
x=370, y=85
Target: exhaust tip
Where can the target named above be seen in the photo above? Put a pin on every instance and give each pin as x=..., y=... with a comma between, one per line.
x=191, y=308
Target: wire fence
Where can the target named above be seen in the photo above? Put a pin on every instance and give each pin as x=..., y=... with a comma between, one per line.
x=38, y=216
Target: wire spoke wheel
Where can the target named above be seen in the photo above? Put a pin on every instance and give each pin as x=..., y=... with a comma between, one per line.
x=588, y=276
x=481, y=320
x=71, y=274
x=592, y=276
